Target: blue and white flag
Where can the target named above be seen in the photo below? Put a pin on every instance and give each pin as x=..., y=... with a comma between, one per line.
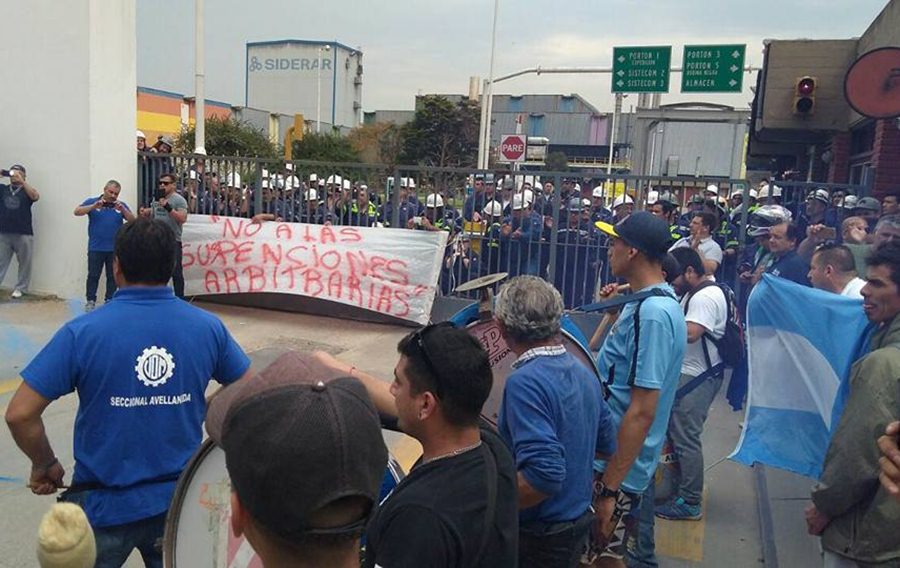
x=801, y=343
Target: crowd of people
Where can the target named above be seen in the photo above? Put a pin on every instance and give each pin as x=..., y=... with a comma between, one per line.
x=567, y=475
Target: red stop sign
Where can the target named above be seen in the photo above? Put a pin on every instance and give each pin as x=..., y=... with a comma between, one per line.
x=512, y=148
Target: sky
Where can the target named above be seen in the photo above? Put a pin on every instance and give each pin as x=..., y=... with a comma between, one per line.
x=420, y=47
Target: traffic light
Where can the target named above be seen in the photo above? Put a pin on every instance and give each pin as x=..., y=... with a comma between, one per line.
x=805, y=96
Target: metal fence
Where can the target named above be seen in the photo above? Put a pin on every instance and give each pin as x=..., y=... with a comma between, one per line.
x=519, y=222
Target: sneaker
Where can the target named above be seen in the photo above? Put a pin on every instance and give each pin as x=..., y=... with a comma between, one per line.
x=89, y=306
x=16, y=294
x=679, y=510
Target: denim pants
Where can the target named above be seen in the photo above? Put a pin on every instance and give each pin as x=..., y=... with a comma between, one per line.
x=557, y=545
x=115, y=543
x=641, y=550
x=97, y=262
x=178, y=274
x=685, y=429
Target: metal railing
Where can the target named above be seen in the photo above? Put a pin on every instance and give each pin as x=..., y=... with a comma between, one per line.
x=544, y=223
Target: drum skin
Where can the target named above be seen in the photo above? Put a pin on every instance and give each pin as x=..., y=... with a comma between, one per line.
x=198, y=525
x=501, y=358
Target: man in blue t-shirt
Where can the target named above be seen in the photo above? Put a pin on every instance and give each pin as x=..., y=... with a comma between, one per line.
x=141, y=397
x=555, y=421
x=105, y=215
x=641, y=364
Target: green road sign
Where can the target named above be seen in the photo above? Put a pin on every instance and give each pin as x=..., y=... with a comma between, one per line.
x=641, y=69
x=713, y=68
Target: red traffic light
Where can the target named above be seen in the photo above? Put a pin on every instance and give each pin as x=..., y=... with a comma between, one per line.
x=806, y=86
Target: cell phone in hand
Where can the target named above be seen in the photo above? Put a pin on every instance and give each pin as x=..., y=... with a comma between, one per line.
x=828, y=233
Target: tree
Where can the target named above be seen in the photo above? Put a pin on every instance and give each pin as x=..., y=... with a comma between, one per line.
x=378, y=143
x=325, y=147
x=556, y=162
x=230, y=137
x=442, y=134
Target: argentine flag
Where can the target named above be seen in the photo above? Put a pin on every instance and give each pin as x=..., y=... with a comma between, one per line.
x=801, y=343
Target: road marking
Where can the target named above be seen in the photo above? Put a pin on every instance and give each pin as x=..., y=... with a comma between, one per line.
x=9, y=385
x=681, y=539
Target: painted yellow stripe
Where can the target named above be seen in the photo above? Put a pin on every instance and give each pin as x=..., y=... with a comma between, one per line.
x=9, y=385
x=681, y=539
x=159, y=122
x=406, y=451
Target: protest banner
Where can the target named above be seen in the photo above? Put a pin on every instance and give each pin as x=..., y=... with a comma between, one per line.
x=389, y=271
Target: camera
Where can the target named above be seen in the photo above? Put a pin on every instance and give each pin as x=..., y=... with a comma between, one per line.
x=159, y=194
x=5, y=173
x=109, y=204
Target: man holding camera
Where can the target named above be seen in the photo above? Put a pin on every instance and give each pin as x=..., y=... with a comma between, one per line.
x=105, y=215
x=170, y=208
x=16, y=232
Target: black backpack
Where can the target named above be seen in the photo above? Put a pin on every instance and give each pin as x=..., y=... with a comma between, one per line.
x=731, y=346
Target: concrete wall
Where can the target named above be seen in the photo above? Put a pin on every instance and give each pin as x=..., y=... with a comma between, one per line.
x=284, y=77
x=85, y=49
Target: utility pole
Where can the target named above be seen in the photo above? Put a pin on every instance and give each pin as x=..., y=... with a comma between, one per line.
x=199, y=81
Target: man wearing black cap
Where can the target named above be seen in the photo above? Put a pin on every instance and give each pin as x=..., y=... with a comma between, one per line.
x=641, y=364
x=306, y=459
x=457, y=507
x=16, y=231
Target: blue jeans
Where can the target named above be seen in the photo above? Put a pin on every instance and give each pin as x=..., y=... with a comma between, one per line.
x=641, y=551
x=97, y=262
x=557, y=545
x=114, y=544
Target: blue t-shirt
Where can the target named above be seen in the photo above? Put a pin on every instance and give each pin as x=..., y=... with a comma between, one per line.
x=662, y=339
x=103, y=224
x=554, y=419
x=140, y=365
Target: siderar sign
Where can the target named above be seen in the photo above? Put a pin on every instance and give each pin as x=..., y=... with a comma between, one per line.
x=286, y=64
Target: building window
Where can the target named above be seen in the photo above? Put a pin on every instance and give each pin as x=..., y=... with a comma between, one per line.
x=514, y=104
x=862, y=139
x=566, y=104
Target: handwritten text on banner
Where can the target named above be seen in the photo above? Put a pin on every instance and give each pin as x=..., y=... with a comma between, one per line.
x=390, y=271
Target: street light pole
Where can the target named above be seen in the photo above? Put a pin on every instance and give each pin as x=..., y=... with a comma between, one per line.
x=487, y=99
x=319, y=87
x=199, y=81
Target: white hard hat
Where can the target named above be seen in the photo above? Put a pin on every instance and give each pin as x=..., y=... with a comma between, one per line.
x=598, y=191
x=292, y=182
x=140, y=134
x=493, y=209
x=346, y=184
x=652, y=197
x=586, y=203
x=289, y=166
x=753, y=193
x=529, y=196
x=192, y=174
x=363, y=187
x=265, y=184
x=622, y=200
x=313, y=177
x=519, y=202
x=265, y=173
x=765, y=191
x=577, y=187
x=412, y=183
x=434, y=200
x=311, y=194
x=233, y=180
x=334, y=180
x=712, y=188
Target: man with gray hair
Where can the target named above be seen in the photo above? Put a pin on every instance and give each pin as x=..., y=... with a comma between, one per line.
x=555, y=420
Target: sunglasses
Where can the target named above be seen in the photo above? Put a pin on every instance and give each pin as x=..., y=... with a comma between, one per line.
x=419, y=339
x=163, y=182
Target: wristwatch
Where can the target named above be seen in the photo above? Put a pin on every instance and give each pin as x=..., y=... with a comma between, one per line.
x=605, y=492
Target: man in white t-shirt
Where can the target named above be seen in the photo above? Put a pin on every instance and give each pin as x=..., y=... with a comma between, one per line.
x=832, y=268
x=702, y=373
x=703, y=223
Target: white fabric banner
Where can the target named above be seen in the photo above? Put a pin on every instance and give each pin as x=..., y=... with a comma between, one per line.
x=389, y=271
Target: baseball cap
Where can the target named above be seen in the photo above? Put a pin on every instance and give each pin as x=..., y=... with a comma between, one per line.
x=297, y=438
x=820, y=195
x=642, y=230
x=869, y=203
x=19, y=167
